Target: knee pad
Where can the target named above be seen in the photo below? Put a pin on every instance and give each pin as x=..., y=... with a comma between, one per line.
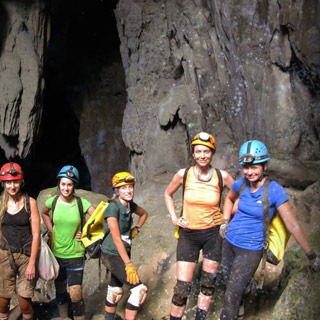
x=138, y=295
x=181, y=292
x=78, y=309
x=114, y=295
x=207, y=282
x=75, y=293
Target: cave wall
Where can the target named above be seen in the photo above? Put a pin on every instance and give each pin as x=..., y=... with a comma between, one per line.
x=239, y=69
x=23, y=38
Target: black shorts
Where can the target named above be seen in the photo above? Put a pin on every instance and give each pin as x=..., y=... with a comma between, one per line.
x=118, y=270
x=71, y=270
x=192, y=241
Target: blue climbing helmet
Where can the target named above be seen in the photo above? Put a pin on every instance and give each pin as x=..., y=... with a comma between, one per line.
x=69, y=172
x=253, y=152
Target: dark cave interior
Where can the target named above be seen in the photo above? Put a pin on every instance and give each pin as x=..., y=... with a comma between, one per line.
x=83, y=39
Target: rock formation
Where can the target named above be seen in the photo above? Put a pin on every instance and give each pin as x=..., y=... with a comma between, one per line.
x=159, y=72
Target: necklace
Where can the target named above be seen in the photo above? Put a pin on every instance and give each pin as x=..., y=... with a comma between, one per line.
x=204, y=178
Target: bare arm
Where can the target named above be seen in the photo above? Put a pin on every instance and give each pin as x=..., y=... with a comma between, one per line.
x=173, y=186
x=116, y=236
x=46, y=218
x=35, y=227
x=90, y=210
x=227, y=179
x=143, y=215
x=228, y=205
x=293, y=226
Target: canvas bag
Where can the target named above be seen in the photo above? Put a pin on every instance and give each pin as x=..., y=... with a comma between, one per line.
x=48, y=266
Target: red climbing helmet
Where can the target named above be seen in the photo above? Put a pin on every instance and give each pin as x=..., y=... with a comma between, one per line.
x=11, y=171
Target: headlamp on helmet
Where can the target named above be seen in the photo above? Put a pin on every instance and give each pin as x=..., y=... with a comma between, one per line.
x=69, y=172
x=11, y=171
x=122, y=178
x=204, y=139
x=253, y=152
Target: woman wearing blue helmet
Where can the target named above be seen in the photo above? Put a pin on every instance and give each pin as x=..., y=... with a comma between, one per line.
x=242, y=248
x=65, y=227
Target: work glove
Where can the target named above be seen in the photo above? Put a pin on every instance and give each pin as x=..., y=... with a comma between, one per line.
x=134, y=232
x=314, y=261
x=223, y=228
x=132, y=274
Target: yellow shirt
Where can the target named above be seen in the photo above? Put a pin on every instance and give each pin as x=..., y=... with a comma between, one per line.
x=201, y=202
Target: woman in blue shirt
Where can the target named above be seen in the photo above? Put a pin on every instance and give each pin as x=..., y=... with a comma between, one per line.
x=244, y=236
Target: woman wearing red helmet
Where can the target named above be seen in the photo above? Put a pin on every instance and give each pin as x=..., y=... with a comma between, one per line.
x=116, y=247
x=20, y=237
x=199, y=225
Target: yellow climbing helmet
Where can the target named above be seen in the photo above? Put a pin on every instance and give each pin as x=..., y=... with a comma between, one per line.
x=121, y=179
x=204, y=139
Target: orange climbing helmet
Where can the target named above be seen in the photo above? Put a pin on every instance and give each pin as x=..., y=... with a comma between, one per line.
x=11, y=171
x=121, y=179
x=204, y=139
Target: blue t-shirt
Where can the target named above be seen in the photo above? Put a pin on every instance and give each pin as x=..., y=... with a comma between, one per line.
x=246, y=228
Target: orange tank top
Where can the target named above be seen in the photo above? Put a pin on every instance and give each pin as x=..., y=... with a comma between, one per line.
x=201, y=202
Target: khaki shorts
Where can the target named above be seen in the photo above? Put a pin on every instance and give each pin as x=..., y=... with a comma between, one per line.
x=9, y=281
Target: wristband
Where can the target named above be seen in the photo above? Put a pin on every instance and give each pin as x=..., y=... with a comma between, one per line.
x=311, y=255
x=225, y=221
x=126, y=263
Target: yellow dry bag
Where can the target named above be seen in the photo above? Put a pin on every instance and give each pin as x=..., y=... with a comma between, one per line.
x=278, y=239
x=92, y=232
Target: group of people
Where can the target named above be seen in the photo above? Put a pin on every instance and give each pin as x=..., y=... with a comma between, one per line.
x=233, y=239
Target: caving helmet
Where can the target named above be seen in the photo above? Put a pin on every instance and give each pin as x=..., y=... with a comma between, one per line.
x=69, y=172
x=204, y=139
x=11, y=171
x=253, y=152
x=121, y=179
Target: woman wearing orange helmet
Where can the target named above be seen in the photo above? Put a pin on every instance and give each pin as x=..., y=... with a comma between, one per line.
x=20, y=237
x=116, y=247
x=199, y=225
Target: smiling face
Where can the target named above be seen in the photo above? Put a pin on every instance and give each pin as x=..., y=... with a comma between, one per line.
x=13, y=187
x=253, y=172
x=66, y=187
x=202, y=155
x=126, y=192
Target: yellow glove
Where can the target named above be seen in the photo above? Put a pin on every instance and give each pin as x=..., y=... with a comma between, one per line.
x=132, y=274
x=134, y=232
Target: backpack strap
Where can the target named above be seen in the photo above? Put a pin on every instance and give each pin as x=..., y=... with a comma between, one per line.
x=266, y=230
x=220, y=183
x=53, y=206
x=80, y=207
x=28, y=205
x=184, y=179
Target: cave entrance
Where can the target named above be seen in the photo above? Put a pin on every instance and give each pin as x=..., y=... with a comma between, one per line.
x=83, y=42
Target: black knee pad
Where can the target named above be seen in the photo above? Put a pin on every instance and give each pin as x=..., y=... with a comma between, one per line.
x=182, y=290
x=207, y=282
x=78, y=308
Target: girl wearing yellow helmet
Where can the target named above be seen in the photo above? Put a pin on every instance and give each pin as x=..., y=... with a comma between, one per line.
x=116, y=247
x=199, y=224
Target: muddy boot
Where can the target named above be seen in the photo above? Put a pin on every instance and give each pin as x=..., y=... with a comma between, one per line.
x=63, y=310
